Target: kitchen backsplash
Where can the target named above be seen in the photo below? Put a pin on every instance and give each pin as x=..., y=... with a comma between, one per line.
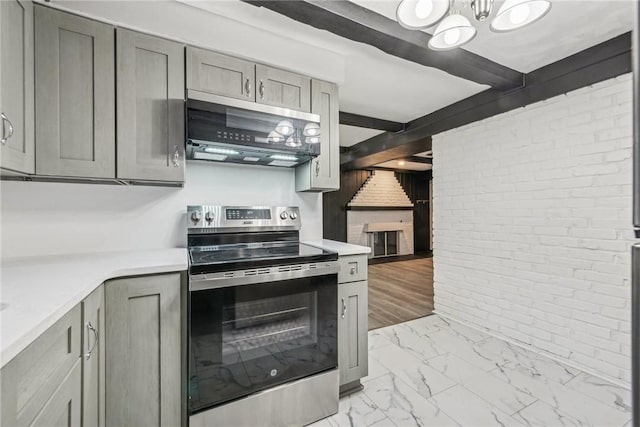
x=58, y=218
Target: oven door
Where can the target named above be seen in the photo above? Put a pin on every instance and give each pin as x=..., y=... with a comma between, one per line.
x=248, y=338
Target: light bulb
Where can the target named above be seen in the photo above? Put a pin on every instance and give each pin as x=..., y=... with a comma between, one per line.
x=423, y=8
x=311, y=129
x=452, y=36
x=519, y=14
x=274, y=137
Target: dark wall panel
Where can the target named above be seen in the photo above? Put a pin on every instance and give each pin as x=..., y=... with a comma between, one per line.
x=416, y=185
x=334, y=215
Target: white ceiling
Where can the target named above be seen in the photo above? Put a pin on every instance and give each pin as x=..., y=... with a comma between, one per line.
x=351, y=135
x=413, y=166
x=375, y=84
x=569, y=27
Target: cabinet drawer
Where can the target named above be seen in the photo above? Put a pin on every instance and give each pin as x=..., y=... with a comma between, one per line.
x=33, y=376
x=352, y=268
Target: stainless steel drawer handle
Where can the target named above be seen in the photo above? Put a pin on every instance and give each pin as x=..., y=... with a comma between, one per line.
x=247, y=88
x=90, y=328
x=6, y=120
x=176, y=156
x=261, y=89
x=317, y=167
x=344, y=309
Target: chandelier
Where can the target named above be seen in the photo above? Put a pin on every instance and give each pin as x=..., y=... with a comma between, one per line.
x=454, y=30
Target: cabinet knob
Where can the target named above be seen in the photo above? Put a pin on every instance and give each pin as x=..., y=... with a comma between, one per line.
x=6, y=120
x=96, y=337
x=317, y=168
x=344, y=309
x=247, y=87
x=353, y=270
x=176, y=156
x=261, y=89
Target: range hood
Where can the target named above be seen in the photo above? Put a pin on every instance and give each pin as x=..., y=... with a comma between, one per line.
x=224, y=129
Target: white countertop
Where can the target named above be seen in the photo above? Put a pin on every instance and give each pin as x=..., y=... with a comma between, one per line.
x=340, y=247
x=35, y=292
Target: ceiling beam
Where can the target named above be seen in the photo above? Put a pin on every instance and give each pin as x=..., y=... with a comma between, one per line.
x=595, y=64
x=369, y=122
x=384, y=149
x=357, y=23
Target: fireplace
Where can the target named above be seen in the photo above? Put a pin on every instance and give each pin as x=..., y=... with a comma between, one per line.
x=380, y=216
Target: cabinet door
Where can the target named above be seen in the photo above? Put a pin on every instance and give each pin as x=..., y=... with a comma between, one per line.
x=220, y=74
x=17, y=149
x=150, y=108
x=31, y=378
x=323, y=172
x=282, y=88
x=64, y=407
x=143, y=375
x=93, y=362
x=352, y=331
x=75, y=96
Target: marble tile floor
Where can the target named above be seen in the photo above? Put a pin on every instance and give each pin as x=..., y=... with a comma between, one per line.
x=435, y=372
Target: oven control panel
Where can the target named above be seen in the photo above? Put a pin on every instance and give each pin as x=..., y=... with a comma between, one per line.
x=220, y=219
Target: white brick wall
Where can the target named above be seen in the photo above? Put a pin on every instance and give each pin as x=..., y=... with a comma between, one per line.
x=381, y=189
x=532, y=225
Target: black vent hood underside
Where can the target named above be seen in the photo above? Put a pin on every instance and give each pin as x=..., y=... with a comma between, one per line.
x=237, y=131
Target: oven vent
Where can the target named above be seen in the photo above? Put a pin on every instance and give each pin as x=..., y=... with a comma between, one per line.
x=286, y=268
x=313, y=266
x=229, y=274
x=256, y=272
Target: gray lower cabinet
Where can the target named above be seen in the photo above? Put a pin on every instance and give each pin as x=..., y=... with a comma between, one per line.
x=323, y=172
x=283, y=88
x=143, y=338
x=93, y=359
x=75, y=95
x=352, y=332
x=41, y=386
x=150, y=108
x=17, y=149
x=220, y=74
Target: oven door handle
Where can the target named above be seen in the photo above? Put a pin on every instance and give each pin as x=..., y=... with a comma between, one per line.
x=199, y=282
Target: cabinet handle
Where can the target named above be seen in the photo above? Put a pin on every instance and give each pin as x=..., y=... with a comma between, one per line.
x=261, y=89
x=344, y=309
x=176, y=156
x=353, y=270
x=96, y=337
x=247, y=87
x=317, y=168
x=4, y=138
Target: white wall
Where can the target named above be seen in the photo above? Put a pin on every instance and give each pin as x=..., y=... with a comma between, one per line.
x=532, y=225
x=58, y=218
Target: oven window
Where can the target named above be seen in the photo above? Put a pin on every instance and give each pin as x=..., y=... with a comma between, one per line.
x=248, y=338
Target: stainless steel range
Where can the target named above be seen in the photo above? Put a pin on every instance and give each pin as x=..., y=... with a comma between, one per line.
x=262, y=319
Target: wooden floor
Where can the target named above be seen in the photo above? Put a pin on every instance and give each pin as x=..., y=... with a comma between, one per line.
x=400, y=291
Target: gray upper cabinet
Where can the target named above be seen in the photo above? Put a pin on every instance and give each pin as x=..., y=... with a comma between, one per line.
x=144, y=341
x=93, y=359
x=75, y=95
x=220, y=74
x=150, y=108
x=352, y=332
x=17, y=149
x=323, y=172
x=283, y=88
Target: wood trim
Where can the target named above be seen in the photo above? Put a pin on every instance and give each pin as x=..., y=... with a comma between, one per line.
x=357, y=23
x=369, y=122
x=595, y=64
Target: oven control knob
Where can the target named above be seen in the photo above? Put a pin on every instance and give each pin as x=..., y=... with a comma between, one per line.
x=293, y=215
x=208, y=216
x=284, y=215
x=196, y=216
